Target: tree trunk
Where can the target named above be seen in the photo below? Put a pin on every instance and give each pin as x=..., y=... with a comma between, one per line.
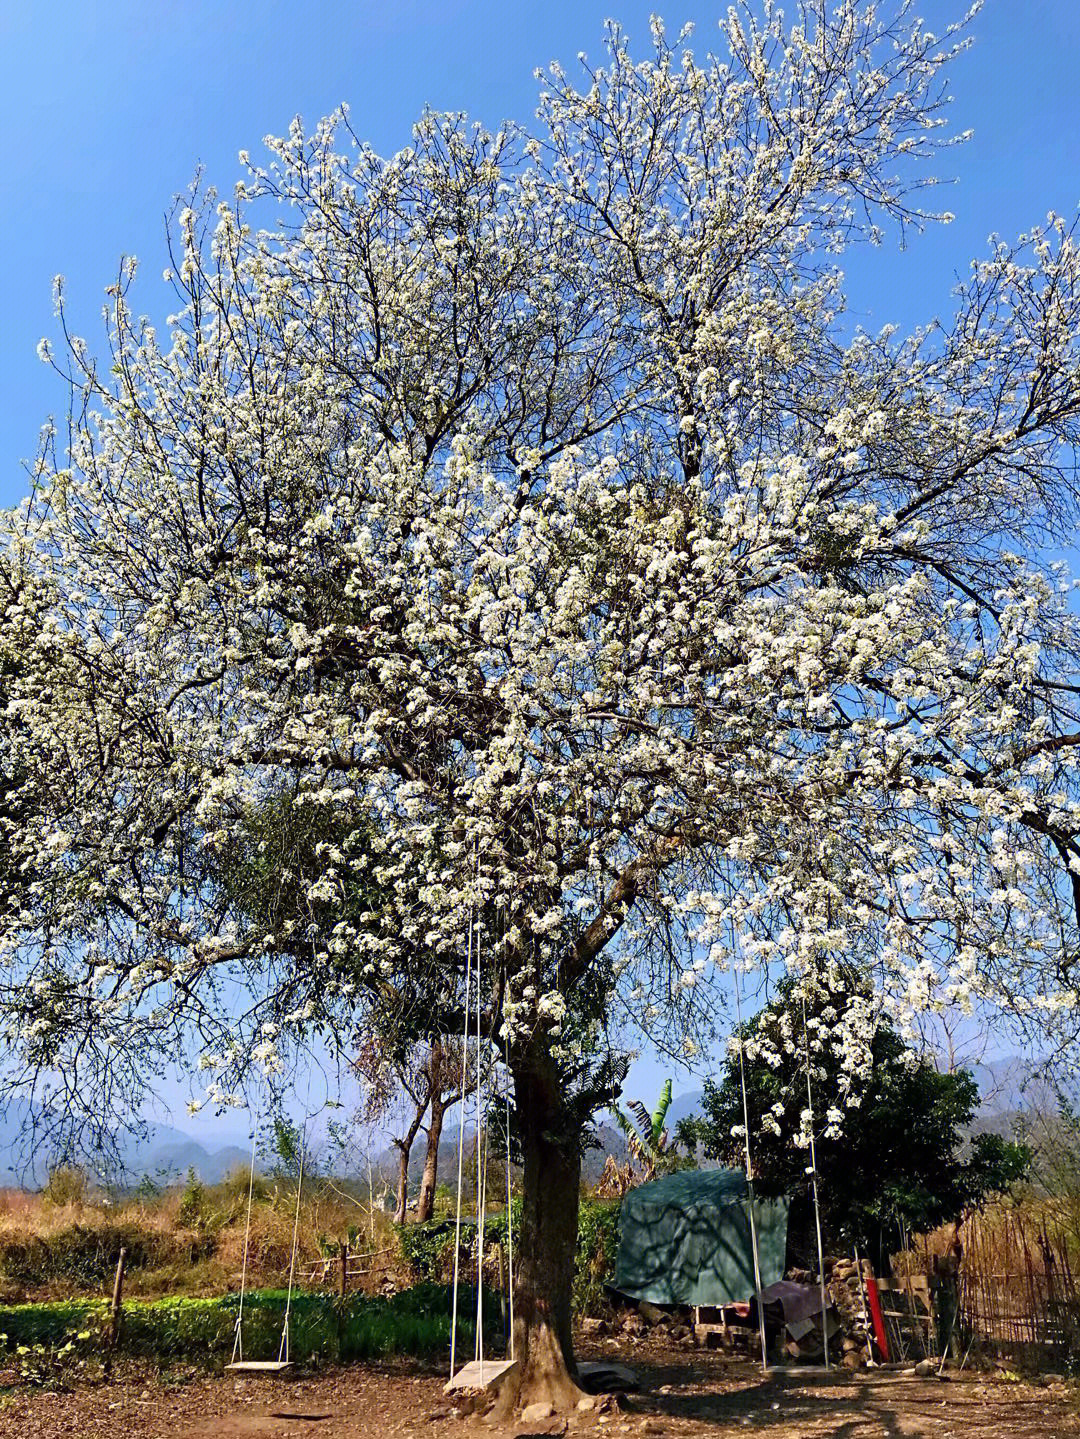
x=402, y=1181
x=425, y=1205
x=404, y=1145
x=545, y=1246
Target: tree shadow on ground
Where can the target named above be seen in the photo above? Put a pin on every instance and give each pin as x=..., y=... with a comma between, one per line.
x=782, y=1402
x=709, y=1392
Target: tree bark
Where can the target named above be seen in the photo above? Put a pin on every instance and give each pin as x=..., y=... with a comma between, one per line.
x=402, y=1181
x=544, y=1248
x=425, y=1205
x=404, y=1147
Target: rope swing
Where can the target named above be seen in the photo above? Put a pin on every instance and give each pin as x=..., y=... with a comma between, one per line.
x=238, y=1364
x=814, y=1189
x=509, y=1216
x=481, y=1179
x=750, y=1172
x=749, y=1169
x=461, y=1145
x=481, y=1370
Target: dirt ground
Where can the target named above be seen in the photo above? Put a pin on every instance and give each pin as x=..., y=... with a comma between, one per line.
x=684, y=1396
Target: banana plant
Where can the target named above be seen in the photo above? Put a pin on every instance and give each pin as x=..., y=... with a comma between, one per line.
x=652, y=1151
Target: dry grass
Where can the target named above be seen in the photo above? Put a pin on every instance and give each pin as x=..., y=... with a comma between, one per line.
x=185, y=1241
x=1018, y=1275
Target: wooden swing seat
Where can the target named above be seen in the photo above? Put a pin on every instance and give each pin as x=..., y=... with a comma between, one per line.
x=259, y=1366
x=480, y=1375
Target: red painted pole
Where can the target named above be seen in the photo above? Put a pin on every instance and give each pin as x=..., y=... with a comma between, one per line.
x=877, y=1318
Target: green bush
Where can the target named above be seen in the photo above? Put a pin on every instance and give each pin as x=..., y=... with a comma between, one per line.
x=50, y=1325
x=597, y=1246
x=415, y=1322
x=86, y=1254
x=49, y=1349
x=429, y=1248
x=67, y=1184
x=192, y=1211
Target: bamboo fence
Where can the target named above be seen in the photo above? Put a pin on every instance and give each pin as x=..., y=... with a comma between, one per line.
x=1018, y=1278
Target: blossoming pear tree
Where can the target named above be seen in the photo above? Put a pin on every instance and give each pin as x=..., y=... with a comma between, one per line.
x=523, y=506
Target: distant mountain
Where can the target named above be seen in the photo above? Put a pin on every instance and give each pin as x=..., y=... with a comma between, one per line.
x=1013, y=1085
x=684, y=1106
x=161, y=1152
x=170, y=1154
x=1009, y=1087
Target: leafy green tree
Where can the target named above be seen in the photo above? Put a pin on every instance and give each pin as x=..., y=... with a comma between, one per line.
x=895, y=1154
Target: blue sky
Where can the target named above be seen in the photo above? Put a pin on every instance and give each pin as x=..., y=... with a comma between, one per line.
x=107, y=110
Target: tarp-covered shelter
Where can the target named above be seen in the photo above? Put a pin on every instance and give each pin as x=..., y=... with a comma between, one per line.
x=685, y=1239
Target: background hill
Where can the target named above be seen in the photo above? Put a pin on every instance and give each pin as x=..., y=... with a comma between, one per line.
x=161, y=1151
x=1012, y=1089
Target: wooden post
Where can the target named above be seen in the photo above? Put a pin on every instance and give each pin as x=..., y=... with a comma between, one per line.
x=342, y=1298
x=116, y=1310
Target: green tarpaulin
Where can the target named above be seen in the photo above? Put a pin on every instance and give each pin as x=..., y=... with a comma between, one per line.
x=685, y=1239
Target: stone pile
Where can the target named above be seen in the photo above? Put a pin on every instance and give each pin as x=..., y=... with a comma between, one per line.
x=846, y=1299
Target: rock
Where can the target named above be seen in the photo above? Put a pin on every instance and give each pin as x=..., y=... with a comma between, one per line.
x=533, y=1413
x=587, y=1402
x=926, y=1367
x=606, y=1378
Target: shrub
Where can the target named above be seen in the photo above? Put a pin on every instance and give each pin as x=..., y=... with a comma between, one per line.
x=67, y=1184
x=428, y=1249
x=58, y=1346
x=85, y=1254
x=192, y=1211
x=597, y=1246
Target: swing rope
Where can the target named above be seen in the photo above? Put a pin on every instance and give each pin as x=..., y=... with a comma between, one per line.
x=509, y=1210
x=481, y=1178
x=238, y=1339
x=283, y=1347
x=814, y=1186
x=749, y=1167
x=238, y=1332
x=461, y=1144
x=472, y=970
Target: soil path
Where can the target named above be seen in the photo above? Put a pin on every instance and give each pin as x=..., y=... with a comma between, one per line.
x=685, y=1396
